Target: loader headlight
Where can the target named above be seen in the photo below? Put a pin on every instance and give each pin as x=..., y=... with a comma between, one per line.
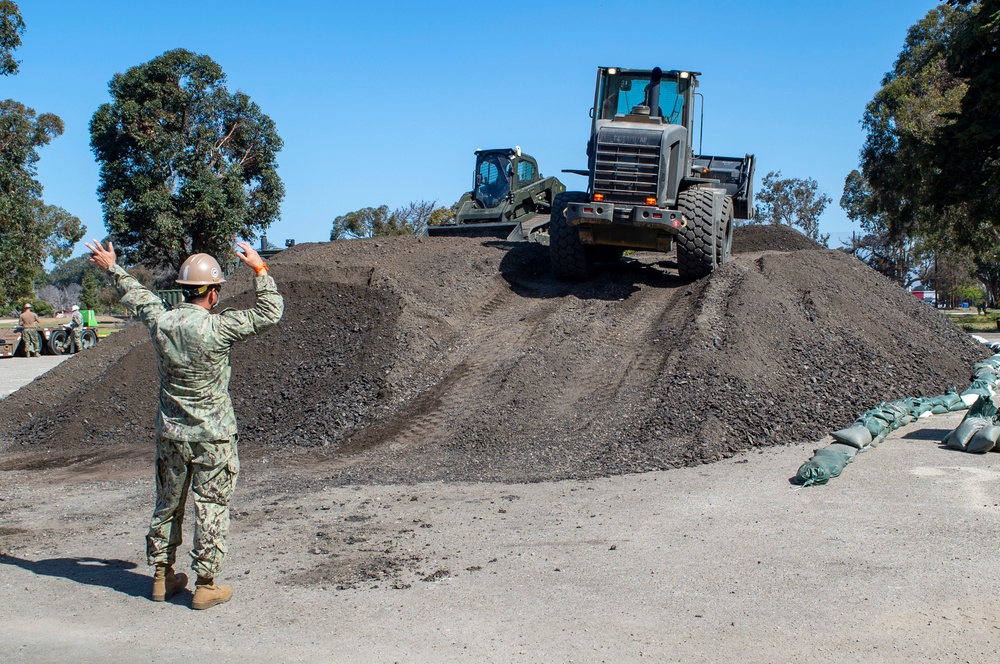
x=612, y=71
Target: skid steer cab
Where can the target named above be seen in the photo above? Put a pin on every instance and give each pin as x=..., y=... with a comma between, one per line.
x=509, y=198
x=646, y=188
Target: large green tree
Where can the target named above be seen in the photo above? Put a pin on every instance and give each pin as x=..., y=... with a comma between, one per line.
x=11, y=29
x=411, y=219
x=30, y=231
x=793, y=202
x=186, y=166
x=901, y=121
x=966, y=150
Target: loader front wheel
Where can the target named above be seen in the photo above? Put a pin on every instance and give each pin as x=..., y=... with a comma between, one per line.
x=724, y=240
x=571, y=259
x=696, y=241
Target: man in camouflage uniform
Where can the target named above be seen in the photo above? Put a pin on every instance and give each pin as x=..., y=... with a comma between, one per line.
x=197, y=446
x=28, y=320
x=76, y=329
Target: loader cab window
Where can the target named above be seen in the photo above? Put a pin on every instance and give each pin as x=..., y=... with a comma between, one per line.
x=526, y=171
x=493, y=179
x=618, y=94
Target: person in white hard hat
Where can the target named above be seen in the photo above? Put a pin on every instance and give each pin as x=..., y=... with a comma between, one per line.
x=76, y=328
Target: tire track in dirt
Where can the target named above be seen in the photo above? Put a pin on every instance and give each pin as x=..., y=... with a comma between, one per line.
x=491, y=342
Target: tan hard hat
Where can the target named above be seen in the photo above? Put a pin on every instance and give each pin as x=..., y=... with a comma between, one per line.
x=76, y=308
x=27, y=305
x=200, y=270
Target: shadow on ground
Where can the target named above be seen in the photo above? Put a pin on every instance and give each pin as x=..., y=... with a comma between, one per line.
x=113, y=574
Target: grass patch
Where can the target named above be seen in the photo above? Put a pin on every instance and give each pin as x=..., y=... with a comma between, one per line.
x=976, y=322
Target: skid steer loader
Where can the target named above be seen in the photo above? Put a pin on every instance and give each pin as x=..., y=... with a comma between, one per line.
x=509, y=198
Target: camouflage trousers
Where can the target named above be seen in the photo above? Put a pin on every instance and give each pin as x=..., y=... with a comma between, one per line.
x=77, y=335
x=209, y=470
x=32, y=343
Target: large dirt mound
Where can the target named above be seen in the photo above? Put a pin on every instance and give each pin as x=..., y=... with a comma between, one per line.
x=406, y=359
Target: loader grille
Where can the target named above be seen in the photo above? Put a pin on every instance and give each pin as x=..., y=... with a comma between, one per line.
x=626, y=173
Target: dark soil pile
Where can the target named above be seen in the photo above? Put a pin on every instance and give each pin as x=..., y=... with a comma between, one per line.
x=407, y=359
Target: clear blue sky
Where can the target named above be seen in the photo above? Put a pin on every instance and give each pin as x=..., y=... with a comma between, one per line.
x=385, y=102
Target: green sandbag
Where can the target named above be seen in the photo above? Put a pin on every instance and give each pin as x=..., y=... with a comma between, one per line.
x=844, y=448
x=856, y=435
x=918, y=406
x=877, y=440
x=983, y=407
x=970, y=426
x=811, y=473
x=984, y=440
x=979, y=387
x=897, y=408
x=986, y=366
x=875, y=421
x=825, y=465
x=954, y=400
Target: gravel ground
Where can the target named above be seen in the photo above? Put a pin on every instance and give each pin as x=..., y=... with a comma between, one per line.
x=894, y=561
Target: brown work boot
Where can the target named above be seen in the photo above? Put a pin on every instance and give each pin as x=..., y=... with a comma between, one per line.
x=166, y=583
x=207, y=594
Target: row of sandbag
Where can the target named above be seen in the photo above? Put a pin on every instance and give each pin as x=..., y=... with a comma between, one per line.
x=873, y=426
x=979, y=433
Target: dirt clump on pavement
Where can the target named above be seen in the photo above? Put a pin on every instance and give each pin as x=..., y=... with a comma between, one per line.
x=413, y=359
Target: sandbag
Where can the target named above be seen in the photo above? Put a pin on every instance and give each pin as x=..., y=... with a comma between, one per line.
x=970, y=426
x=856, y=436
x=990, y=365
x=954, y=401
x=825, y=465
x=875, y=421
x=844, y=448
x=984, y=440
x=983, y=407
x=919, y=406
x=978, y=387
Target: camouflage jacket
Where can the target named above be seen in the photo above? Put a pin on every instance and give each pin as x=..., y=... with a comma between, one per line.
x=76, y=320
x=192, y=351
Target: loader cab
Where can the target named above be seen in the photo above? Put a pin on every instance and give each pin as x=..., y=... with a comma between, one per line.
x=625, y=94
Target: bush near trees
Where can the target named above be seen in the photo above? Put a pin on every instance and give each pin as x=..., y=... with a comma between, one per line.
x=411, y=219
x=792, y=202
x=186, y=166
x=41, y=307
